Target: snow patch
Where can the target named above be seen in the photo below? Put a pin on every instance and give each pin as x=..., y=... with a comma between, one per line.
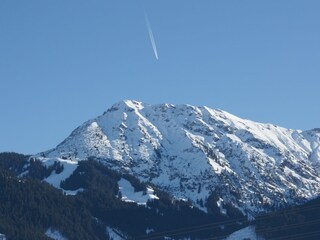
x=219, y=204
x=73, y=192
x=129, y=195
x=247, y=233
x=115, y=234
x=69, y=166
x=149, y=230
x=54, y=234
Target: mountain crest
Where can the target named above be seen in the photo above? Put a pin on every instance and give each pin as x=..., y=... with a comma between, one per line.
x=196, y=152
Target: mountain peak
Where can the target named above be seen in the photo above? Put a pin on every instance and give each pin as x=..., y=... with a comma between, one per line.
x=125, y=105
x=194, y=152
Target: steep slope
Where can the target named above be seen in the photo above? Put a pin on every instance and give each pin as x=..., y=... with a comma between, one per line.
x=197, y=152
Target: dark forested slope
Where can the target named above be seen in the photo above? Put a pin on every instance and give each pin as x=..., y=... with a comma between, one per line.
x=29, y=206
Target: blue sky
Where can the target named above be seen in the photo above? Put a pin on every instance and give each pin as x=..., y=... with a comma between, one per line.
x=63, y=62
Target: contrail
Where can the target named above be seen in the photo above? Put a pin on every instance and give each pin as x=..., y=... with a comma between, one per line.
x=153, y=42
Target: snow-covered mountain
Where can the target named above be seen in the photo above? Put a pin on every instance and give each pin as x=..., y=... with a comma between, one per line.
x=194, y=152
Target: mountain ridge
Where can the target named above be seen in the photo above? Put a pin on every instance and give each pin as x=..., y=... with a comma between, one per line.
x=195, y=152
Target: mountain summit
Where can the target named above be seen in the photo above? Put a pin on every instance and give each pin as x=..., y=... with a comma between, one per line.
x=196, y=152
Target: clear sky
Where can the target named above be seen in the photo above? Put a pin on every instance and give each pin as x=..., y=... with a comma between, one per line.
x=63, y=62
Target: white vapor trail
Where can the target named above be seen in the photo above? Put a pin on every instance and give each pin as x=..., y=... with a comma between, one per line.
x=153, y=42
